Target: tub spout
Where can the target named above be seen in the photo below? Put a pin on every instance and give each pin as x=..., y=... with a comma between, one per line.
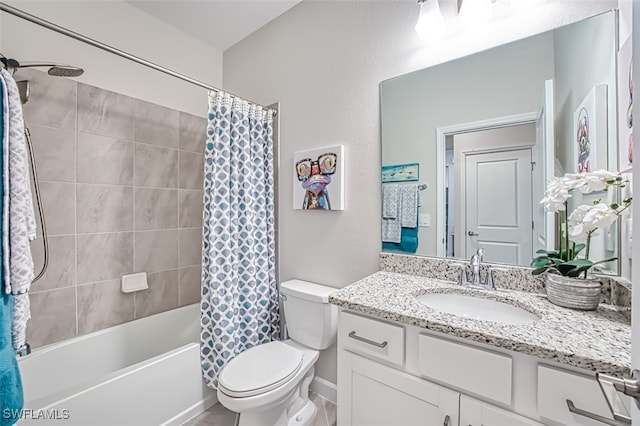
x=24, y=350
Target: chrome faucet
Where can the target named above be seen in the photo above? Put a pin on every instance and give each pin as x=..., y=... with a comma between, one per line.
x=474, y=279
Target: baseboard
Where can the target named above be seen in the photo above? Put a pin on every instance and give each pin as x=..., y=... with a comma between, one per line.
x=325, y=389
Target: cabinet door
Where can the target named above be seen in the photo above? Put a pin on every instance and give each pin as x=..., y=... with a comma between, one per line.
x=371, y=394
x=476, y=413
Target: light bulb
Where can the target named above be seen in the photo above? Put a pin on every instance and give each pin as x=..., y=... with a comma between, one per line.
x=430, y=23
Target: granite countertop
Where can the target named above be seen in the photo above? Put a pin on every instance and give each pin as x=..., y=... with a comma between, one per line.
x=595, y=340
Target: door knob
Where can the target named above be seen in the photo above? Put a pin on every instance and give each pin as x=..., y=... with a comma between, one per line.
x=472, y=234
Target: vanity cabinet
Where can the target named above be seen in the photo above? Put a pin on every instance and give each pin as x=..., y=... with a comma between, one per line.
x=393, y=374
x=478, y=413
x=379, y=395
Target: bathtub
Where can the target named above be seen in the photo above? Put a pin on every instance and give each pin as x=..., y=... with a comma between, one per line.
x=145, y=372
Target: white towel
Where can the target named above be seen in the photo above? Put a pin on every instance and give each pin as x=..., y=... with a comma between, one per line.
x=391, y=231
x=409, y=206
x=22, y=224
x=390, y=201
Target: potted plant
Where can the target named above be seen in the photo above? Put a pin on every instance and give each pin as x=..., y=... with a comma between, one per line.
x=567, y=280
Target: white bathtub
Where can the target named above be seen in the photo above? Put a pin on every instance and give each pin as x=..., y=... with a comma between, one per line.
x=145, y=372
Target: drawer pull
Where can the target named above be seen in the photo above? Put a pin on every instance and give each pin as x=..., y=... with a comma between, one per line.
x=593, y=416
x=365, y=340
x=610, y=387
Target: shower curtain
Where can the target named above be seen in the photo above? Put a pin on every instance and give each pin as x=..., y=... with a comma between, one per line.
x=239, y=305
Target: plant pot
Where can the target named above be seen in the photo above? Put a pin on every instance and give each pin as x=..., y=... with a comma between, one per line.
x=574, y=293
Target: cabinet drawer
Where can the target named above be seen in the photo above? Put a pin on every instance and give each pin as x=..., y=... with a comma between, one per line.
x=373, y=338
x=479, y=371
x=556, y=386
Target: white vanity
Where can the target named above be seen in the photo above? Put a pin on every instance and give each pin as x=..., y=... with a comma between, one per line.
x=401, y=362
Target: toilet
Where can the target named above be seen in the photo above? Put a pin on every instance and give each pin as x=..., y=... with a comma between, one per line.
x=269, y=384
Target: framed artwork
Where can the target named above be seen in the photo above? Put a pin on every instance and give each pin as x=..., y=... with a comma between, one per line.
x=318, y=179
x=625, y=107
x=590, y=131
x=401, y=173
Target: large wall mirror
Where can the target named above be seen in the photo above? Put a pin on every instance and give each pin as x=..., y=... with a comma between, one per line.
x=483, y=134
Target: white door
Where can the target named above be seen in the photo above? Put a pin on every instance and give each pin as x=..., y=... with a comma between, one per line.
x=476, y=413
x=497, y=196
x=544, y=170
x=377, y=395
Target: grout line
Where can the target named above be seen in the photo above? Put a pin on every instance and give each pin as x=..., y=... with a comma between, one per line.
x=75, y=206
x=179, y=248
x=121, y=185
x=134, y=214
x=190, y=228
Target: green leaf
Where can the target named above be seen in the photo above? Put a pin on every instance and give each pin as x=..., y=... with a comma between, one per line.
x=539, y=271
x=578, y=248
x=579, y=262
x=604, y=261
x=565, y=269
x=541, y=261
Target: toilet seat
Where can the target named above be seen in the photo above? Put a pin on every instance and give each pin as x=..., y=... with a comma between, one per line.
x=260, y=369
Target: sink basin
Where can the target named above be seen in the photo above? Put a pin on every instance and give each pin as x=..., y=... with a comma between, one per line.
x=477, y=308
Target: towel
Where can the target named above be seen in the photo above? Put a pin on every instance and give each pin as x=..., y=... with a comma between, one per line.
x=408, y=241
x=390, y=201
x=391, y=230
x=22, y=223
x=409, y=206
x=11, y=395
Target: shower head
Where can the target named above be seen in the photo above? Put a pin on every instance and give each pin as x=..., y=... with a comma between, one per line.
x=56, y=70
x=65, y=71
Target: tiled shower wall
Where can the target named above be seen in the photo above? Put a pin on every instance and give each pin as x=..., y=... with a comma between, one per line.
x=121, y=183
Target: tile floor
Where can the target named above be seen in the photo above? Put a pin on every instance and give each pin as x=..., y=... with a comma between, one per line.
x=217, y=415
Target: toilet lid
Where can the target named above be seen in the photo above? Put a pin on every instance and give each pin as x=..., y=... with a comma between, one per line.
x=260, y=369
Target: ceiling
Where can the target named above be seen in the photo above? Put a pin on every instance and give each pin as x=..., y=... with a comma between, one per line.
x=218, y=23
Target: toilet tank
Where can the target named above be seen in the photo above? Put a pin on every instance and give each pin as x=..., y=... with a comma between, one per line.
x=311, y=319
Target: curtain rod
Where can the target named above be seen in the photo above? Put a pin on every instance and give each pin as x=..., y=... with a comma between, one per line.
x=84, y=39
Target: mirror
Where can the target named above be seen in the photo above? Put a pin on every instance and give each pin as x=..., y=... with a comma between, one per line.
x=483, y=134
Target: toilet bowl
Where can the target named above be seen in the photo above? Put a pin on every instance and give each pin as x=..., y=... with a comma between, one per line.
x=269, y=384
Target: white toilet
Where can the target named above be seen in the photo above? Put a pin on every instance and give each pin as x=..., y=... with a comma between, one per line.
x=269, y=384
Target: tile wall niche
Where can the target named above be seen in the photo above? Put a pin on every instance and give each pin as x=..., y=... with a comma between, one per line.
x=121, y=183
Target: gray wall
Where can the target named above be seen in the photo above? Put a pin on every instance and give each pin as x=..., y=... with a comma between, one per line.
x=323, y=61
x=121, y=25
x=121, y=183
x=592, y=45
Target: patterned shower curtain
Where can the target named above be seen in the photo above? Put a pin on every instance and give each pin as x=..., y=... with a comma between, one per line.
x=239, y=306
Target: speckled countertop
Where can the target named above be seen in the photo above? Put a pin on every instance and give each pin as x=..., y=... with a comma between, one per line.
x=596, y=340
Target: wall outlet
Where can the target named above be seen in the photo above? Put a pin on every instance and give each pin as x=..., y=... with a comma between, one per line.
x=424, y=220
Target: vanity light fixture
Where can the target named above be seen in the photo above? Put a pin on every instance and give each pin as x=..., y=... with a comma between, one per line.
x=474, y=12
x=430, y=23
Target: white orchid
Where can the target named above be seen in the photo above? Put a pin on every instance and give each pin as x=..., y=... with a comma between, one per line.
x=585, y=220
x=582, y=223
x=560, y=188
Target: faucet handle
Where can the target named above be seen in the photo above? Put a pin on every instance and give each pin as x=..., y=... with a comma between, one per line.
x=480, y=254
x=489, y=277
x=462, y=278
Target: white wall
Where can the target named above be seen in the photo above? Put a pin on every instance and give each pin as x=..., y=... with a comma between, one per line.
x=592, y=45
x=323, y=61
x=122, y=26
